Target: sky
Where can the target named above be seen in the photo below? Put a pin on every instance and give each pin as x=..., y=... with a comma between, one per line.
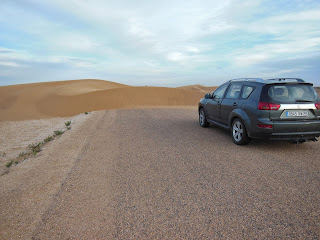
x=158, y=43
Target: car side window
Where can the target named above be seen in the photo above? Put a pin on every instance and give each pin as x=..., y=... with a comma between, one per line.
x=218, y=94
x=234, y=91
x=247, y=90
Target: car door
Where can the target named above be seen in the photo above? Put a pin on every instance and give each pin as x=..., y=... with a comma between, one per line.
x=230, y=102
x=213, y=104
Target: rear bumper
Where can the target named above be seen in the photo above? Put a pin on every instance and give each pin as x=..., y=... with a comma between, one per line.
x=287, y=131
x=296, y=126
x=294, y=136
x=286, y=136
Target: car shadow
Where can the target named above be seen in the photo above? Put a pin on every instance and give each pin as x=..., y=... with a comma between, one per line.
x=265, y=144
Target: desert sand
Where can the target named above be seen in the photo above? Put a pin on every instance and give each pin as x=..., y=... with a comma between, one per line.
x=68, y=98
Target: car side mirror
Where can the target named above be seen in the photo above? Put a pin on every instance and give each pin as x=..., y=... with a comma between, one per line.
x=208, y=96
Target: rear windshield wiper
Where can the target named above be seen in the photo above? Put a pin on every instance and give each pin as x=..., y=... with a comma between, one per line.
x=303, y=100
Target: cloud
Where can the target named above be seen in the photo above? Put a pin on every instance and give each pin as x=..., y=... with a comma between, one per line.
x=176, y=57
x=9, y=64
x=75, y=42
x=13, y=55
x=284, y=50
x=72, y=61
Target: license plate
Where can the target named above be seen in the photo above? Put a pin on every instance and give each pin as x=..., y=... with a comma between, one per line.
x=298, y=114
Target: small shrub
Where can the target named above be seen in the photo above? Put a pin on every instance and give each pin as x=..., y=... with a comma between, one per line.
x=8, y=164
x=58, y=133
x=69, y=127
x=35, y=148
x=22, y=154
x=48, y=139
x=86, y=113
x=67, y=123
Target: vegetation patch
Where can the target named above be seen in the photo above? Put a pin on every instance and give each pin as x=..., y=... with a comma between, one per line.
x=8, y=164
x=24, y=154
x=58, y=132
x=48, y=139
x=35, y=148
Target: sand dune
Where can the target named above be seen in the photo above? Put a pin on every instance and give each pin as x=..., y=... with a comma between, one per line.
x=67, y=98
x=199, y=88
x=76, y=87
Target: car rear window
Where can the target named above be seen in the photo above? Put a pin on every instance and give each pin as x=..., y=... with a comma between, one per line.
x=291, y=93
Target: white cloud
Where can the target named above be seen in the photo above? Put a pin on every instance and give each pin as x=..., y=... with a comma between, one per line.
x=9, y=64
x=308, y=15
x=13, y=55
x=270, y=73
x=137, y=29
x=249, y=59
x=74, y=42
x=72, y=61
x=192, y=49
x=151, y=63
x=176, y=57
x=284, y=50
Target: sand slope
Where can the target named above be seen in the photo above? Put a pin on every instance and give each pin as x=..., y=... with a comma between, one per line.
x=199, y=88
x=67, y=98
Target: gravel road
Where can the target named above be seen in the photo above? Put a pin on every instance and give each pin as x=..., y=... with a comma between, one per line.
x=156, y=174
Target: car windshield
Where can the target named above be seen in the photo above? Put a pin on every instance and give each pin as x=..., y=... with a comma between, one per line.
x=292, y=93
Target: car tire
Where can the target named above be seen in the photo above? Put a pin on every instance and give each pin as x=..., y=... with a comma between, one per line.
x=239, y=132
x=203, y=119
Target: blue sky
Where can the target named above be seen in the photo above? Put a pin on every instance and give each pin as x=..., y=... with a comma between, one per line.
x=158, y=43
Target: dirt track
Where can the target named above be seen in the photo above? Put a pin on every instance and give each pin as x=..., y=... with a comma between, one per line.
x=155, y=174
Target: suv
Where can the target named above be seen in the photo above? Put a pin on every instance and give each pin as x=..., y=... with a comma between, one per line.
x=277, y=109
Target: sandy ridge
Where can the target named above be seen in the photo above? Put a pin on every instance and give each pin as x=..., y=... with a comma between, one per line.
x=129, y=97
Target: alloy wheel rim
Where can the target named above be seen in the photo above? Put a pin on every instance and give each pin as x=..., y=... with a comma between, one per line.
x=237, y=131
x=201, y=118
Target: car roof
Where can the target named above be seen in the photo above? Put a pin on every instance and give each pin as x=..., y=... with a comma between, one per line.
x=268, y=81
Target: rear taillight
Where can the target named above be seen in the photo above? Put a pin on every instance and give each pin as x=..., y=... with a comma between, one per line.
x=264, y=126
x=268, y=106
x=317, y=105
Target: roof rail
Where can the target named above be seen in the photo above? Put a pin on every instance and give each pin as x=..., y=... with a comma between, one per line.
x=247, y=79
x=285, y=79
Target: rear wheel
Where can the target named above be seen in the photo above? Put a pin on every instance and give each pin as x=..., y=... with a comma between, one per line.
x=203, y=119
x=239, y=132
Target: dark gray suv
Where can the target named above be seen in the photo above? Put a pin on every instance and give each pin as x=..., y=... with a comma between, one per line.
x=277, y=109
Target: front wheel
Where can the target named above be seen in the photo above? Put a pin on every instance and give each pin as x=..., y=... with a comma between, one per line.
x=239, y=132
x=203, y=119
